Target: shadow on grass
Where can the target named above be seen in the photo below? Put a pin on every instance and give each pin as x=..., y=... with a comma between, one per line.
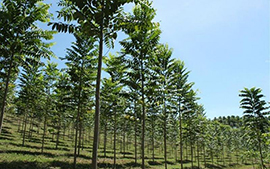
x=22, y=165
x=133, y=164
x=61, y=165
x=110, y=152
x=156, y=158
x=78, y=156
x=213, y=166
x=184, y=161
x=3, y=137
x=5, y=131
x=34, y=140
x=108, y=165
x=154, y=163
x=233, y=164
x=168, y=162
x=128, y=157
x=28, y=153
x=39, y=147
x=9, y=121
x=110, y=157
x=126, y=153
x=194, y=167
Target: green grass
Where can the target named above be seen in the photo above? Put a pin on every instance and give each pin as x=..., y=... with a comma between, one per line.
x=15, y=156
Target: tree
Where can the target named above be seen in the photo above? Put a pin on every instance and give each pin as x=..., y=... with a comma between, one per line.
x=115, y=68
x=98, y=19
x=81, y=65
x=143, y=37
x=182, y=88
x=162, y=68
x=255, y=115
x=31, y=93
x=51, y=73
x=20, y=36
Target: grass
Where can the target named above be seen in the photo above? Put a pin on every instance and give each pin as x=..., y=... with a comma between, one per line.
x=15, y=156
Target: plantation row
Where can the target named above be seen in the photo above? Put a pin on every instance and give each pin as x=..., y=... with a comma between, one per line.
x=144, y=107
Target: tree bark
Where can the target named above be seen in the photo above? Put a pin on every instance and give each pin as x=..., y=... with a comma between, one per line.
x=165, y=139
x=181, y=134
x=191, y=151
x=153, y=140
x=80, y=138
x=105, y=139
x=198, y=154
x=143, y=113
x=24, y=130
x=76, y=134
x=124, y=139
x=135, y=128
x=260, y=149
x=44, y=133
x=58, y=134
x=97, y=105
x=114, y=141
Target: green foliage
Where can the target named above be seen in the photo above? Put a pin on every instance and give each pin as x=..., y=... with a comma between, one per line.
x=255, y=114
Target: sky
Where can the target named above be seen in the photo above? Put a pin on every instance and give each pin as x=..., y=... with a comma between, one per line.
x=225, y=44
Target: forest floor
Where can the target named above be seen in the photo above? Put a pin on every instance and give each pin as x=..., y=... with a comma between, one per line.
x=15, y=156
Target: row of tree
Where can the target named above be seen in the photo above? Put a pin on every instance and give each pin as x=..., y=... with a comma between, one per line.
x=146, y=95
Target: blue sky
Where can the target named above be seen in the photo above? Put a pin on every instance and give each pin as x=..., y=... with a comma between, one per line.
x=225, y=44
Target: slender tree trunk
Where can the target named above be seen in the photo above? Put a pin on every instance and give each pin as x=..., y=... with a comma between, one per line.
x=236, y=156
x=204, y=154
x=165, y=137
x=83, y=138
x=175, y=150
x=143, y=119
x=72, y=132
x=143, y=113
x=105, y=139
x=24, y=130
x=135, y=128
x=124, y=139
x=191, y=150
x=186, y=146
x=223, y=155
x=44, y=133
x=76, y=135
x=97, y=105
x=181, y=134
x=153, y=140
x=19, y=125
x=6, y=92
x=38, y=128
x=80, y=138
x=31, y=126
x=114, y=141
x=212, y=157
x=260, y=149
x=58, y=134
x=198, y=153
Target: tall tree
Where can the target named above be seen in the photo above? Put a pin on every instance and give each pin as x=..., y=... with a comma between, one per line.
x=21, y=37
x=143, y=37
x=31, y=91
x=182, y=88
x=98, y=19
x=81, y=63
x=255, y=115
x=51, y=73
x=115, y=68
x=163, y=68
